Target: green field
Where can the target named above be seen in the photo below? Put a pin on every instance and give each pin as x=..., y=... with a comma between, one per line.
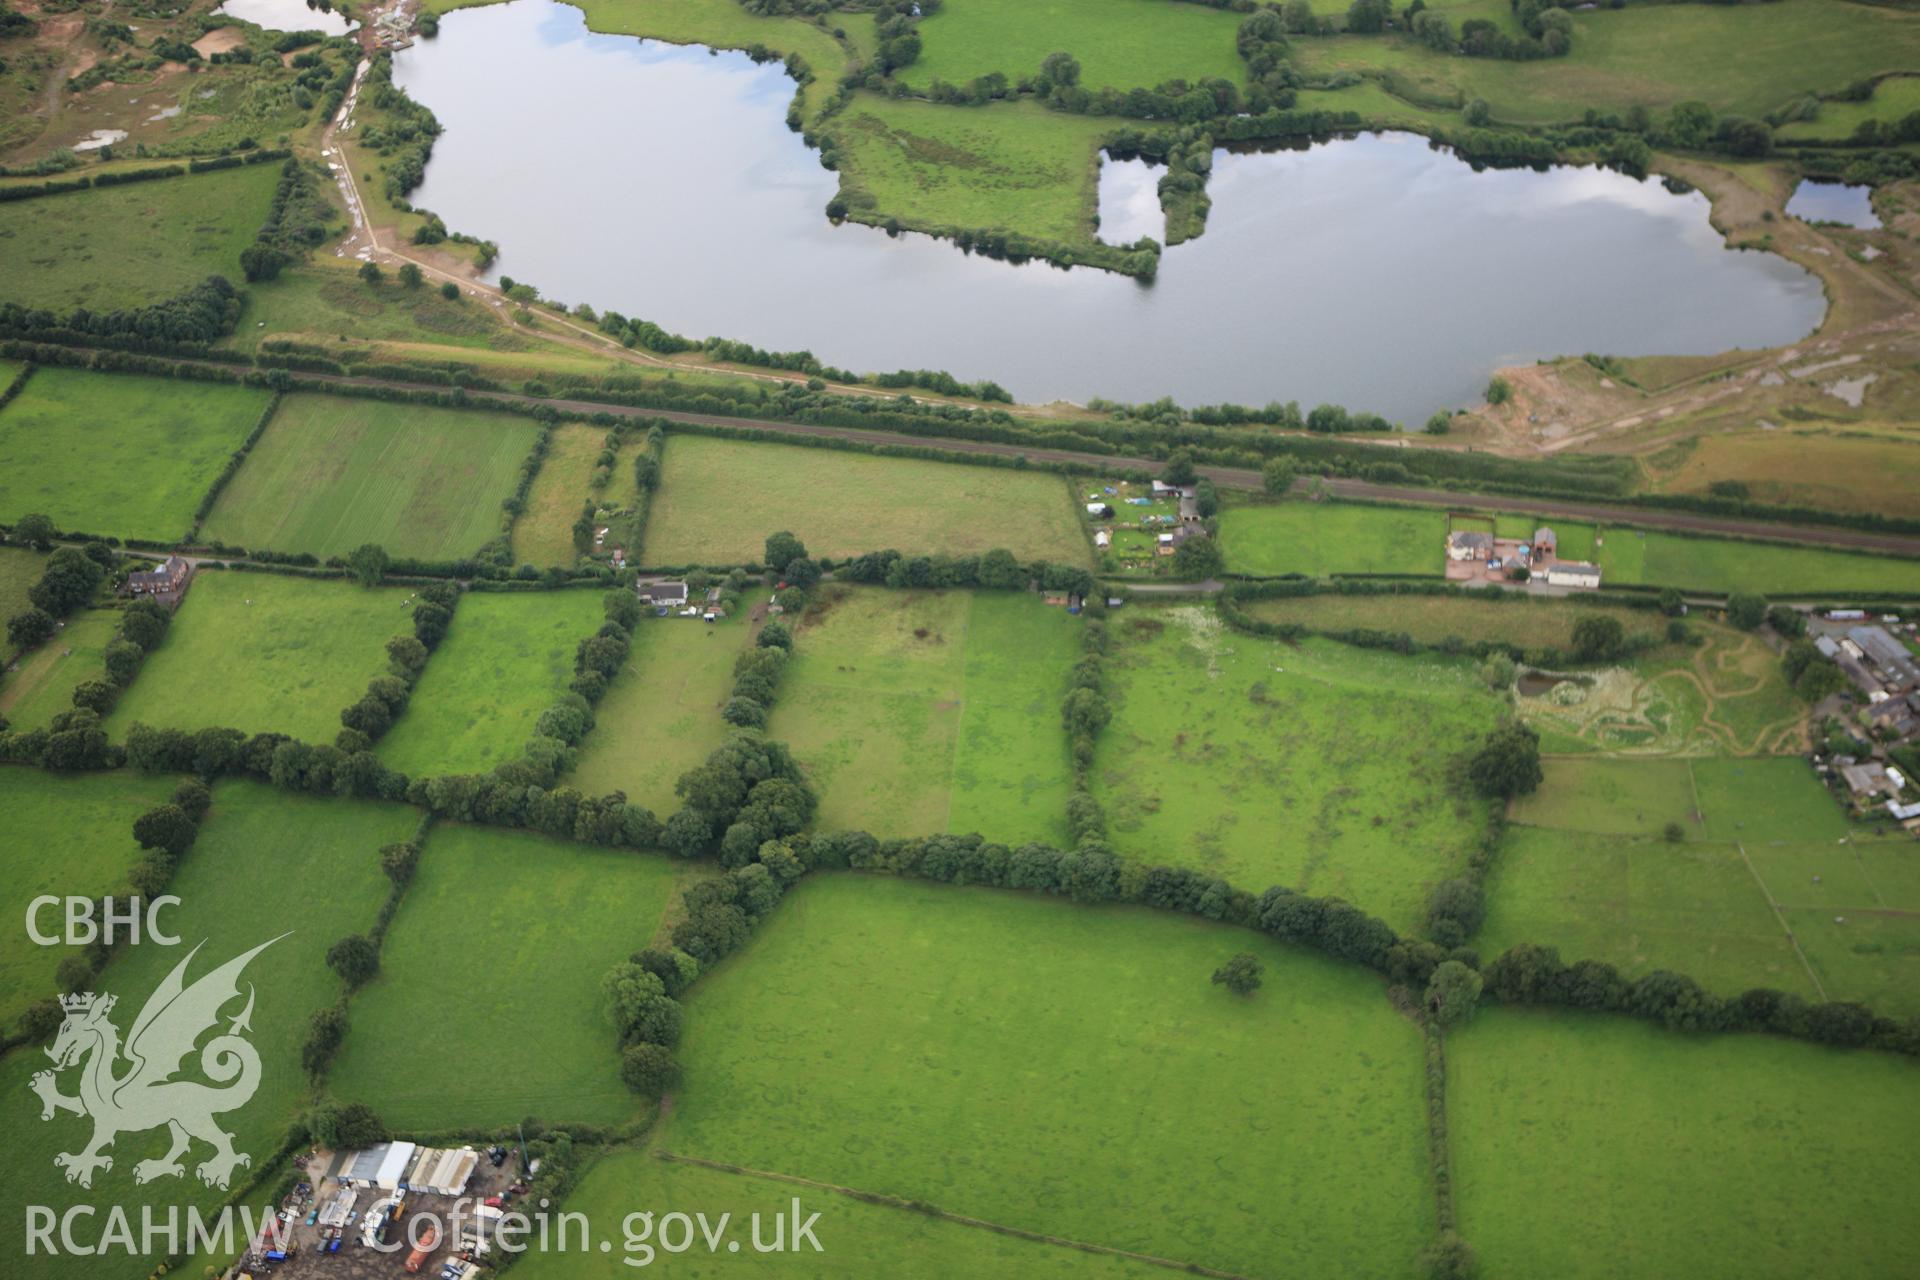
x=1588, y=1147
x=1120, y=44
x=1015, y=166
x=923, y=712
x=65, y=835
x=321, y=301
x=1096, y=1105
x=543, y=535
x=661, y=715
x=1735, y=60
x=128, y=246
x=1617, y=797
x=261, y=653
x=333, y=472
x=117, y=454
x=266, y=863
x=1322, y=538
x=719, y=499
x=856, y=1238
x=1322, y=767
x=550, y=917
x=19, y=570
x=507, y=658
x=1633, y=557
x=43, y=686
x=1533, y=623
x=1892, y=99
x=1766, y=801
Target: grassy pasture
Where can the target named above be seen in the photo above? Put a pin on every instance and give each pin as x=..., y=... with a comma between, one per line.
x=1736, y=61
x=43, y=686
x=256, y=652
x=507, y=658
x=1615, y=797
x=1121, y=44
x=1586, y=1146
x=923, y=1077
x=1641, y=556
x=553, y=917
x=128, y=246
x=1765, y=801
x=319, y=301
x=543, y=535
x=1015, y=166
x=66, y=835
x=1432, y=619
x=1814, y=467
x=333, y=472
x=1322, y=538
x=1323, y=767
x=1892, y=99
x=719, y=499
x=19, y=570
x=856, y=1238
x=119, y=454
x=661, y=715
x=266, y=863
x=920, y=712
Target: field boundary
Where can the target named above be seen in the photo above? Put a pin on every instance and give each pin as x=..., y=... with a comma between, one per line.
x=1779, y=915
x=945, y=1215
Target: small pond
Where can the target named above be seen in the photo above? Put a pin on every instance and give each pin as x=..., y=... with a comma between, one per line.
x=287, y=15
x=1375, y=272
x=1849, y=204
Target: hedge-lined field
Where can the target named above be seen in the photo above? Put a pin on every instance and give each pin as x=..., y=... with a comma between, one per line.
x=507, y=657
x=127, y=246
x=1322, y=538
x=267, y=863
x=1587, y=1146
x=543, y=535
x=1065, y=1069
x=333, y=472
x=1434, y=619
x=1322, y=767
x=43, y=686
x=263, y=653
x=550, y=918
x=919, y=712
x=1631, y=557
x=661, y=715
x=64, y=836
x=119, y=454
x=1122, y=44
x=719, y=499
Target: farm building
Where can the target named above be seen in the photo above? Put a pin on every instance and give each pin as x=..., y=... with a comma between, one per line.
x=164, y=583
x=1573, y=573
x=442, y=1171
x=383, y=1166
x=1546, y=545
x=1888, y=654
x=1469, y=544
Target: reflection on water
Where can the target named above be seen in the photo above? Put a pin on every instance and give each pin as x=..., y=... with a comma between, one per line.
x=1130, y=201
x=1841, y=202
x=1373, y=272
x=287, y=15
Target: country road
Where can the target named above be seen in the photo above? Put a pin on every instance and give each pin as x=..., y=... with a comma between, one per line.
x=1232, y=477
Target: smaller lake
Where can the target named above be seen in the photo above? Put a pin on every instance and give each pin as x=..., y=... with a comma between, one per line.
x=287, y=15
x=1848, y=204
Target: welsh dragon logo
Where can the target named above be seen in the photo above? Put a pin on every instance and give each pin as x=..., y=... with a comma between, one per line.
x=145, y=1095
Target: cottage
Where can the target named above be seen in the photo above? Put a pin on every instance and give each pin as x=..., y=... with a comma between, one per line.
x=1572, y=573
x=1469, y=544
x=167, y=580
x=662, y=595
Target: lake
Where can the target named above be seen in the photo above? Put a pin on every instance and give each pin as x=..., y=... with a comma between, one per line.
x=287, y=15
x=1849, y=204
x=1375, y=272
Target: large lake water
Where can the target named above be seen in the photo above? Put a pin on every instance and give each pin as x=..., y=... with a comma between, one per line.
x=1374, y=272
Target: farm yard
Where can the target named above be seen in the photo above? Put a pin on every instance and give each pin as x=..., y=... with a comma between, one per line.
x=845, y=504
x=332, y=473
x=848, y=1066
x=153, y=447
x=1808, y=1149
x=550, y=918
x=508, y=656
x=917, y=712
x=261, y=653
x=1328, y=769
x=268, y=866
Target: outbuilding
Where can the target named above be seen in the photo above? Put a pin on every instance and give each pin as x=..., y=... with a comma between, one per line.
x=1573, y=573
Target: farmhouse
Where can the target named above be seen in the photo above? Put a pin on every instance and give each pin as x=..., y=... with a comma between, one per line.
x=662, y=595
x=1572, y=573
x=1469, y=544
x=165, y=583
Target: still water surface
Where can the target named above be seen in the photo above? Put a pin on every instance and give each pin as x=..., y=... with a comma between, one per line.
x=1846, y=203
x=1375, y=272
x=287, y=15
